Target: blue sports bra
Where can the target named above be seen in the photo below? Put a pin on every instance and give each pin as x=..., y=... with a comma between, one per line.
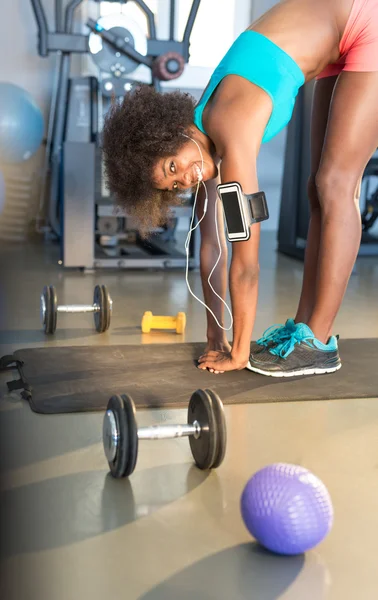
x=254, y=57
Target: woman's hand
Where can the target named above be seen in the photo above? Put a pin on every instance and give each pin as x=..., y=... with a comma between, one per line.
x=217, y=361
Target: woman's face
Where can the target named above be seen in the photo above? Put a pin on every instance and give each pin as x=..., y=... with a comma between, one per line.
x=182, y=171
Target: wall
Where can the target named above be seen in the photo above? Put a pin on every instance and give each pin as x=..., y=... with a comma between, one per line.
x=18, y=42
x=259, y=7
x=24, y=67
x=271, y=158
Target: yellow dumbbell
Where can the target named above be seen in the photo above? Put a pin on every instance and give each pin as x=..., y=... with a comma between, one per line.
x=150, y=321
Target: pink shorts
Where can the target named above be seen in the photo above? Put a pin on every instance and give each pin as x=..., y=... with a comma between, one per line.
x=359, y=44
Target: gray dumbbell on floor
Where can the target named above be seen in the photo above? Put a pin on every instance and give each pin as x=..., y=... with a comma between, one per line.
x=101, y=308
x=206, y=429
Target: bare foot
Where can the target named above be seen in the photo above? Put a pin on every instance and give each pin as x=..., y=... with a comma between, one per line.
x=219, y=345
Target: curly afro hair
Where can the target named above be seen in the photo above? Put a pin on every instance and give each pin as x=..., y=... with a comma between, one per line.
x=145, y=127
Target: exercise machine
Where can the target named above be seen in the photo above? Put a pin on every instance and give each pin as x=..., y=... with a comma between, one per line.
x=81, y=213
x=294, y=210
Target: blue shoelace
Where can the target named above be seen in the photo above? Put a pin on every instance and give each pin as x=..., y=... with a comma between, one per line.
x=274, y=334
x=301, y=333
x=283, y=350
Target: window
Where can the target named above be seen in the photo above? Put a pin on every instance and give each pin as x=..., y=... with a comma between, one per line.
x=130, y=9
x=213, y=31
x=217, y=24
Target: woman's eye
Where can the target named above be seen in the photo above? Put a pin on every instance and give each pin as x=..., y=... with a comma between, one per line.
x=172, y=167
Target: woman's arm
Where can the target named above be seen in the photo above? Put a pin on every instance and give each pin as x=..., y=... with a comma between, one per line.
x=244, y=269
x=237, y=131
x=244, y=272
x=209, y=252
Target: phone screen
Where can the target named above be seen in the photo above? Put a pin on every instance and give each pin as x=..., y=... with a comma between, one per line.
x=232, y=212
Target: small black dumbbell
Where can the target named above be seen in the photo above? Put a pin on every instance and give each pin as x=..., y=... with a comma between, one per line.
x=206, y=429
x=101, y=308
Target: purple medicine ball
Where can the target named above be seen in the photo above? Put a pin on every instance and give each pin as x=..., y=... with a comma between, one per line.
x=286, y=508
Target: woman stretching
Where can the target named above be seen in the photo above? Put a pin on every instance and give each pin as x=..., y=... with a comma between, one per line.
x=157, y=145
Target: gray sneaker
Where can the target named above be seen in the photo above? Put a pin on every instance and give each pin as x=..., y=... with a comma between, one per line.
x=302, y=354
x=276, y=334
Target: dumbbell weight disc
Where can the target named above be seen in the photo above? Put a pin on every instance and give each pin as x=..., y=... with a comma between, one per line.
x=132, y=432
x=49, y=311
x=180, y=322
x=220, y=419
x=120, y=436
x=204, y=448
x=146, y=322
x=45, y=308
x=102, y=317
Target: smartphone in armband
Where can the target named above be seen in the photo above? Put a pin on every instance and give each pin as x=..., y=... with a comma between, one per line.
x=241, y=210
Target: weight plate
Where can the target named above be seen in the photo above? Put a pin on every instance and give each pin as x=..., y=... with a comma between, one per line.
x=102, y=317
x=49, y=309
x=168, y=66
x=53, y=308
x=106, y=57
x=133, y=433
x=108, y=306
x=220, y=420
x=44, y=303
x=110, y=435
x=98, y=314
x=204, y=448
x=118, y=435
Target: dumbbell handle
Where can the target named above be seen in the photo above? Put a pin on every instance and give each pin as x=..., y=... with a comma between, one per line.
x=77, y=308
x=162, y=320
x=160, y=432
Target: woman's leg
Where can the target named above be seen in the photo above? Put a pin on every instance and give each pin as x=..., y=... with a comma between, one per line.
x=323, y=91
x=351, y=139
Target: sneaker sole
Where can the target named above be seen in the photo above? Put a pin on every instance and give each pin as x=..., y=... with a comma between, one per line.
x=309, y=371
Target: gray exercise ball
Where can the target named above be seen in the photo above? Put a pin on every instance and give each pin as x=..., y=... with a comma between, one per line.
x=21, y=124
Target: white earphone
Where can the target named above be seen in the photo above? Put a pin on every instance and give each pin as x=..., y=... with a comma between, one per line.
x=187, y=242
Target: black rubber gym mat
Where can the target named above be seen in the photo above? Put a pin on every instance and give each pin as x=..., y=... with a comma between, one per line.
x=77, y=379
